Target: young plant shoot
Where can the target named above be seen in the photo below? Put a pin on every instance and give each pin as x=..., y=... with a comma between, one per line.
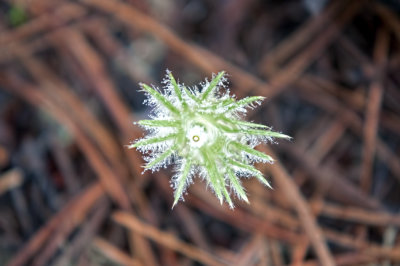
x=203, y=132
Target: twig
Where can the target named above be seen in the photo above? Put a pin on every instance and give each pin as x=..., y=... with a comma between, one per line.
x=87, y=233
x=350, y=119
x=372, y=111
x=284, y=50
x=198, y=56
x=62, y=15
x=10, y=179
x=359, y=215
x=239, y=218
x=289, y=188
x=115, y=254
x=74, y=211
x=390, y=18
x=248, y=255
x=371, y=249
x=165, y=239
x=353, y=258
x=105, y=174
x=342, y=190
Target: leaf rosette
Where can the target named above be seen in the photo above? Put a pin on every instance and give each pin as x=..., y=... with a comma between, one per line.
x=204, y=132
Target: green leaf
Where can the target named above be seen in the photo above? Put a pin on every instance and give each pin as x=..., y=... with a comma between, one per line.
x=242, y=123
x=251, y=151
x=251, y=169
x=176, y=87
x=215, y=178
x=159, y=123
x=227, y=102
x=227, y=197
x=274, y=134
x=267, y=133
x=161, y=158
x=181, y=182
x=240, y=130
x=255, y=132
x=191, y=95
x=245, y=101
x=212, y=85
x=249, y=124
x=17, y=15
x=160, y=98
x=152, y=140
x=236, y=185
x=246, y=167
x=261, y=178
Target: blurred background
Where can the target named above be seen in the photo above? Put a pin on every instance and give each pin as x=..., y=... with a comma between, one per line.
x=71, y=193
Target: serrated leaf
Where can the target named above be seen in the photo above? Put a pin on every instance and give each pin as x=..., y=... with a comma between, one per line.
x=236, y=185
x=191, y=95
x=252, y=151
x=159, y=123
x=177, y=90
x=181, y=182
x=254, y=132
x=241, y=123
x=250, y=169
x=213, y=84
x=161, y=157
x=261, y=178
x=152, y=140
x=160, y=98
x=215, y=178
x=274, y=134
x=244, y=102
x=227, y=197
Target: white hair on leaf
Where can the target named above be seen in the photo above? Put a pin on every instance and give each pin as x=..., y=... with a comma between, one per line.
x=203, y=131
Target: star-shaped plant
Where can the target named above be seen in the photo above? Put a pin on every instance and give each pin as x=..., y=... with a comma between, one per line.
x=203, y=132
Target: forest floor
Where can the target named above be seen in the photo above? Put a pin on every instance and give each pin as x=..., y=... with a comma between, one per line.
x=71, y=193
